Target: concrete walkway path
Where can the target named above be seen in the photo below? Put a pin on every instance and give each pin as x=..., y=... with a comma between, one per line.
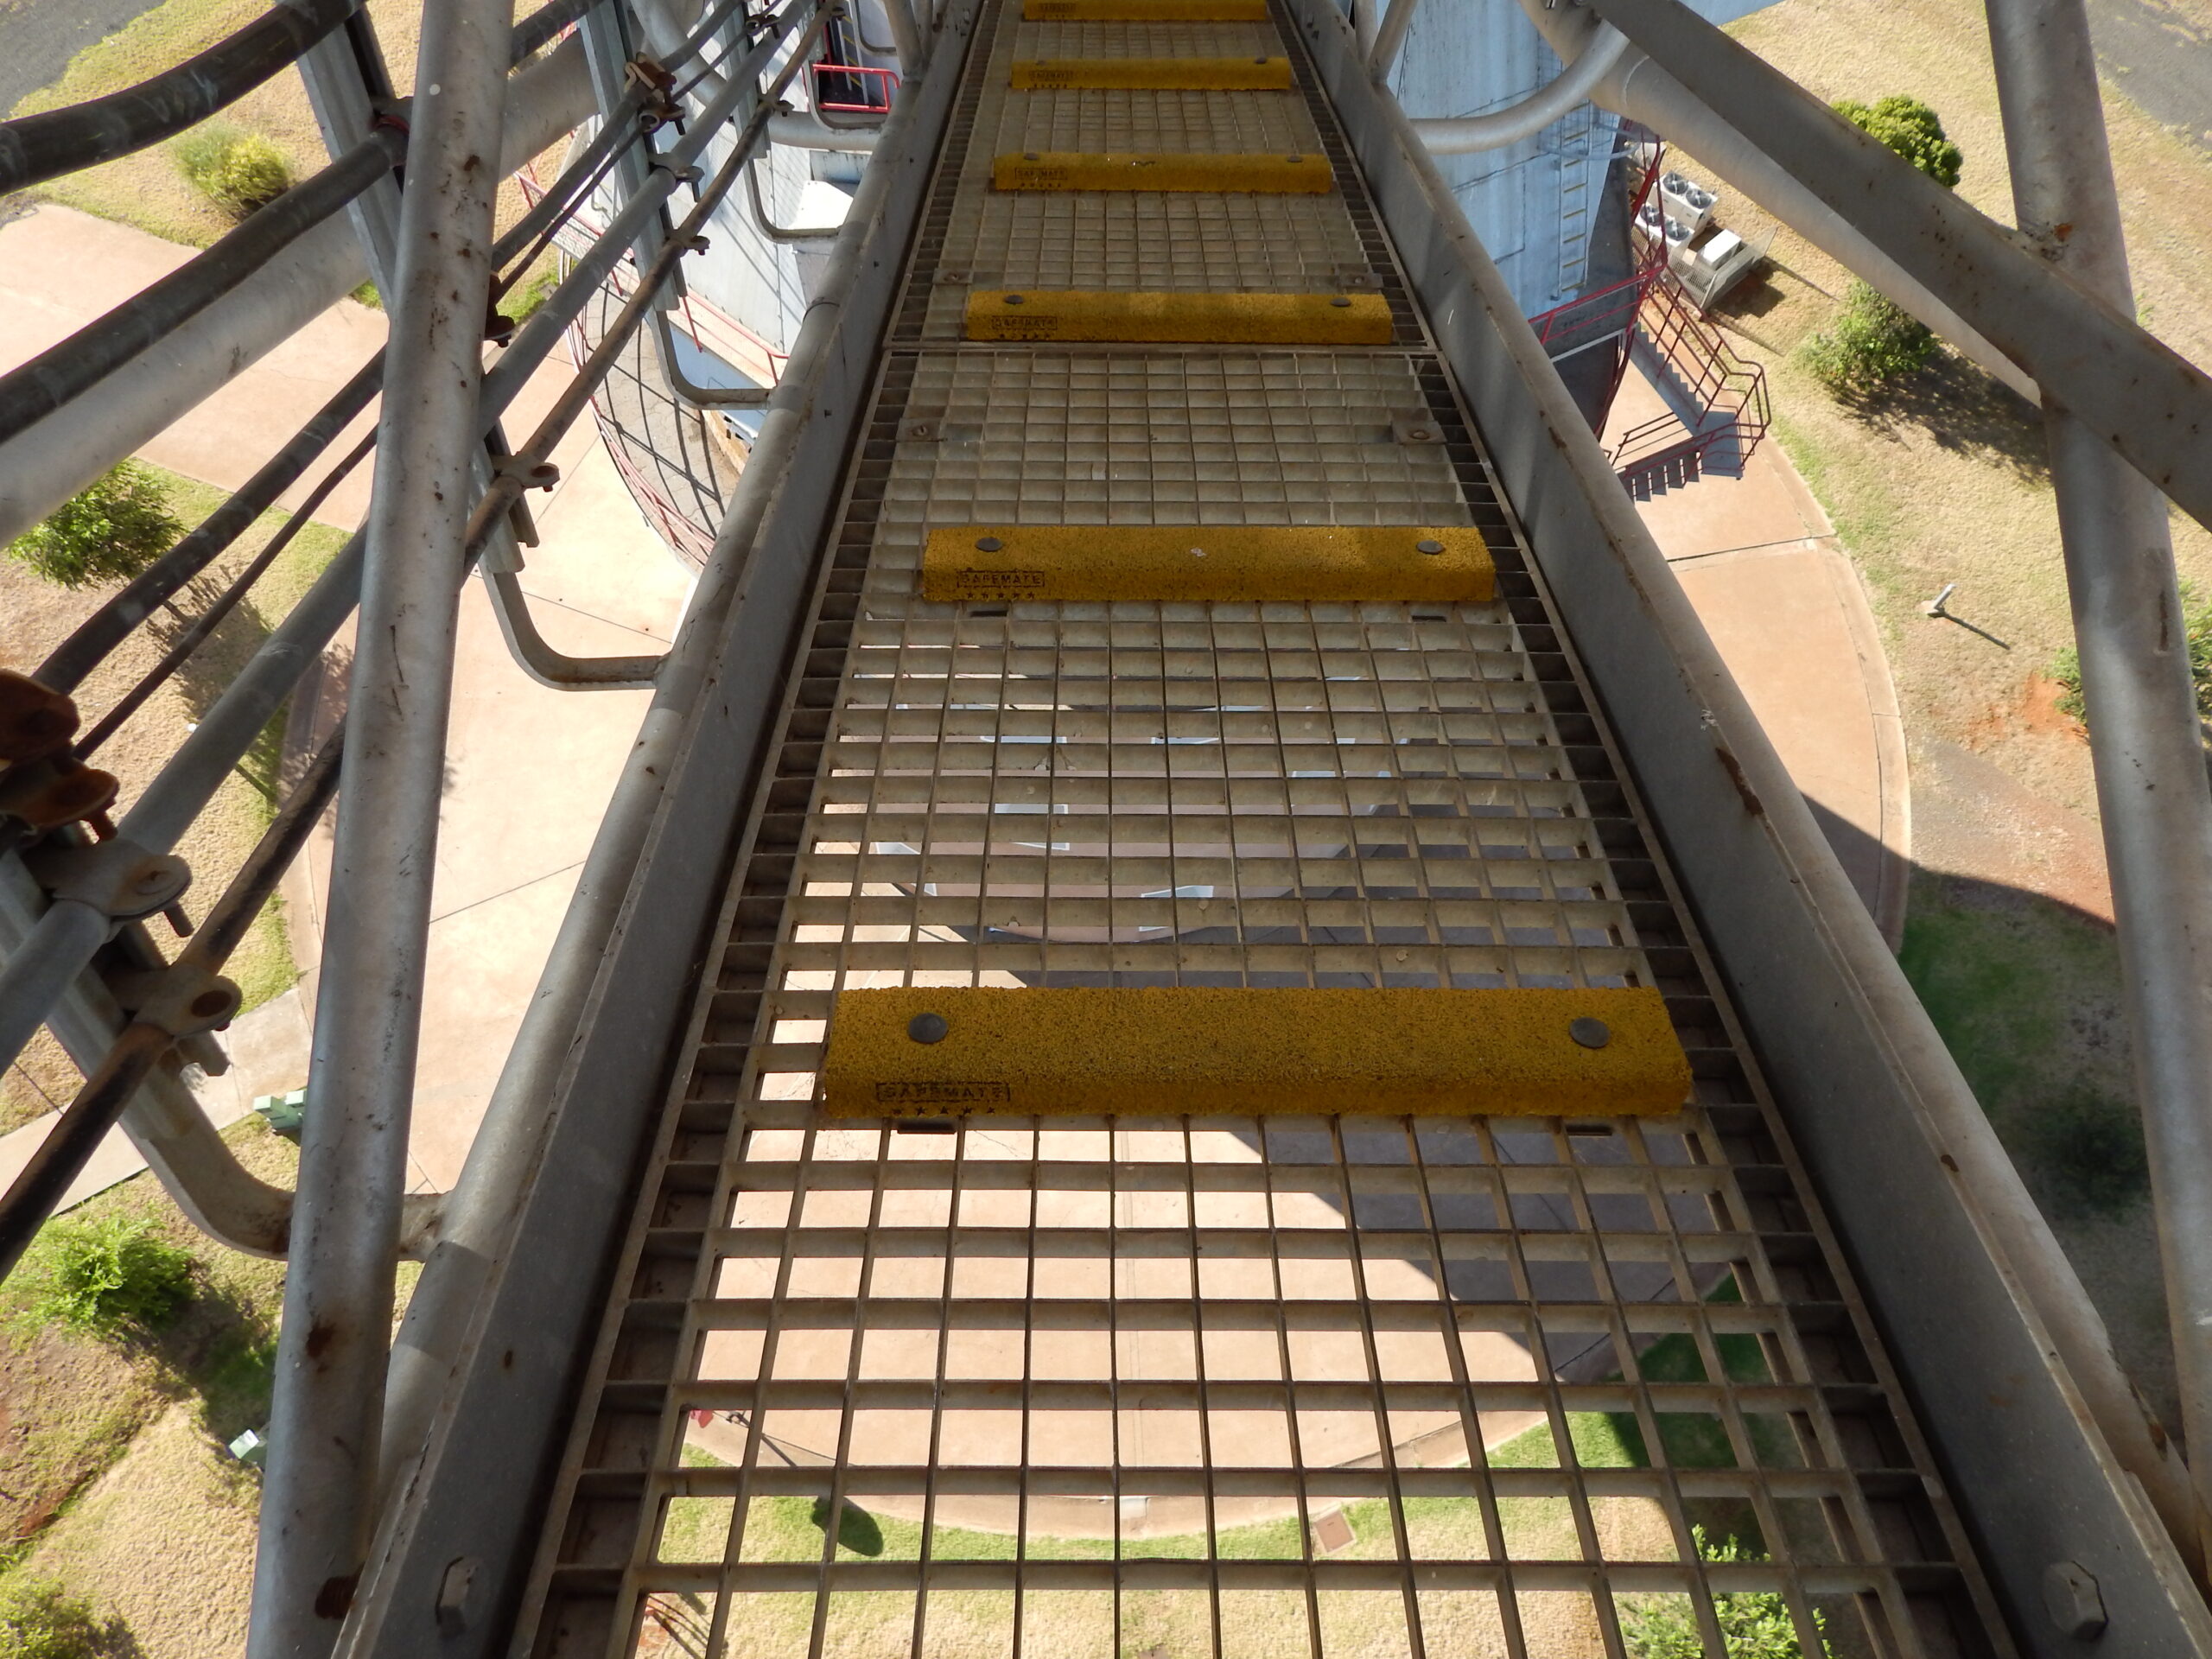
x=1783, y=602
x=62, y=270
x=530, y=769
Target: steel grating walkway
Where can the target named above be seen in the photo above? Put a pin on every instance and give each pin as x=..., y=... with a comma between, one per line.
x=1360, y=1385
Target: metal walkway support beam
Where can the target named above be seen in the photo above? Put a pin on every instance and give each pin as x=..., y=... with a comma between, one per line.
x=542, y=1201
x=2145, y=741
x=317, y=1506
x=2050, y=1475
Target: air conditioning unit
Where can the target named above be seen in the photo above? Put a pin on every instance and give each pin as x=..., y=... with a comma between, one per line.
x=1686, y=200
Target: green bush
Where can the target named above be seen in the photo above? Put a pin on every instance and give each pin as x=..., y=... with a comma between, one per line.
x=1911, y=129
x=113, y=1277
x=39, y=1619
x=1754, y=1624
x=2084, y=1155
x=1872, y=342
x=236, y=170
x=111, y=532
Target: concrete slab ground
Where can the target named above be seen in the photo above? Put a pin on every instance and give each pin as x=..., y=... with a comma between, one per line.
x=1783, y=602
x=62, y=270
x=530, y=770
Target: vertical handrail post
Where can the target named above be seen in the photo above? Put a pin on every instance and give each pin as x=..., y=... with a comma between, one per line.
x=317, y=1505
x=2148, y=756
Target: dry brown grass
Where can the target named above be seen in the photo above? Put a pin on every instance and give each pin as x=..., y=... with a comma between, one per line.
x=147, y=189
x=111, y=1478
x=1946, y=482
x=40, y=616
x=164, y=1540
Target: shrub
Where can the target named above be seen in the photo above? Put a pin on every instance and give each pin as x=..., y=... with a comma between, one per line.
x=1754, y=1624
x=238, y=171
x=39, y=1619
x=110, y=531
x=110, y=1278
x=2196, y=620
x=2084, y=1154
x=1911, y=129
x=1872, y=342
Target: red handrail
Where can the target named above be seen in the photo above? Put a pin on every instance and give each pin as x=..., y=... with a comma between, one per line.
x=885, y=81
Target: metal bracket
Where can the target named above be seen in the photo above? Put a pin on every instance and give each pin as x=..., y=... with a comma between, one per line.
x=119, y=878
x=185, y=999
x=45, y=794
x=35, y=720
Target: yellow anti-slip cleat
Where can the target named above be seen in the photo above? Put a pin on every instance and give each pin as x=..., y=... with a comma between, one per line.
x=1268, y=174
x=1144, y=11
x=924, y=1052
x=1261, y=74
x=1307, y=562
x=1186, y=318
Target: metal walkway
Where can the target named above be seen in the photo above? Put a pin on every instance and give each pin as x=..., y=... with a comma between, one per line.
x=1357, y=1384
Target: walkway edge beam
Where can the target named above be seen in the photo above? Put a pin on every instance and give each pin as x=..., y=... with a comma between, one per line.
x=1965, y=1271
x=548, y=1178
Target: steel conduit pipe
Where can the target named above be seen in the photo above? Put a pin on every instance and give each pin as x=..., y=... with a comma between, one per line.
x=2148, y=756
x=480, y=1213
x=71, y=367
x=1639, y=89
x=318, y=1502
x=1390, y=37
x=50, y=461
x=811, y=132
x=1466, y=135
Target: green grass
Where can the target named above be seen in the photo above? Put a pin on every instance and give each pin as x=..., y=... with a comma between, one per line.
x=2014, y=988
x=150, y=42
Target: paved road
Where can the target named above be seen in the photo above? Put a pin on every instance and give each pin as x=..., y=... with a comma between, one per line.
x=2160, y=53
x=39, y=37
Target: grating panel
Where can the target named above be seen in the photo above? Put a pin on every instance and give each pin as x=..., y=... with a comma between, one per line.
x=1213, y=1388
x=1184, y=242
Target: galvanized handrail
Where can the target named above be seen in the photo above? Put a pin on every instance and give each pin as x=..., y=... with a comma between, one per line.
x=66, y=370
x=49, y=961
x=34, y=149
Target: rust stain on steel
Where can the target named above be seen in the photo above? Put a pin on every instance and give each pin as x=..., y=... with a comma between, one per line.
x=335, y=1598
x=1734, y=768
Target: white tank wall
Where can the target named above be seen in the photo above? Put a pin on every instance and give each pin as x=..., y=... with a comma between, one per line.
x=1533, y=203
